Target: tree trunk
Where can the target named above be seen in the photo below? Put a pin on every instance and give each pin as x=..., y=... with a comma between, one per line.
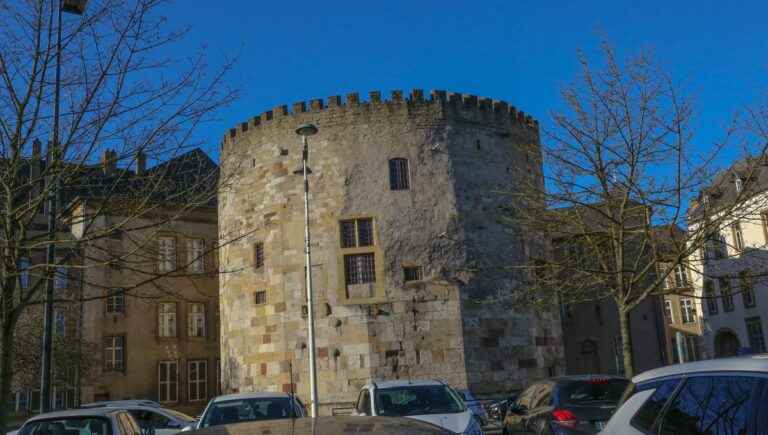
x=626, y=342
x=6, y=376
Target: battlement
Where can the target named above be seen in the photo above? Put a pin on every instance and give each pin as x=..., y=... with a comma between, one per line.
x=496, y=110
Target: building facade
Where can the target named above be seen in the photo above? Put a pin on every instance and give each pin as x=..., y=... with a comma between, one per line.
x=730, y=279
x=410, y=259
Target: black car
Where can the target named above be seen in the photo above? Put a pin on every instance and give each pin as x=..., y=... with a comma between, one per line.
x=567, y=405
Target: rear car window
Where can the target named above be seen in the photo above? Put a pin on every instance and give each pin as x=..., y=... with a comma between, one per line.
x=646, y=415
x=69, y=426
x=236, y=411
x=586, y=392
x=716, y=405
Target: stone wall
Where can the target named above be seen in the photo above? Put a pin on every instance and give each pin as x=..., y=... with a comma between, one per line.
x=462, y=153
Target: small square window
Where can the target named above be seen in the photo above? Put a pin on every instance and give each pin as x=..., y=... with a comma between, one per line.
x=413, y=273
x=260, y=297
x=258, y=255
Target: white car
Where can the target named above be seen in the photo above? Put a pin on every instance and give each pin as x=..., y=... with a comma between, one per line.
x=95, y=421
x=431, y=401
x=242, y=407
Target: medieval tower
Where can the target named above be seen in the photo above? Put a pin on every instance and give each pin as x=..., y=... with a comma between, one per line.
x=410, y=257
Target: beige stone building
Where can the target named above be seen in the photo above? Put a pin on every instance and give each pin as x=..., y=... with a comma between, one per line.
x=410, y=259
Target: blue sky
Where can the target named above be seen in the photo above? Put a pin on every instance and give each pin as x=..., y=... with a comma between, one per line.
x=519, y=51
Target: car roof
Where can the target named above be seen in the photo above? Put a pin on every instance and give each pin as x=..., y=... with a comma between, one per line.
x=404, y=383
x=569, y=378
x=329, y=426
x=117, y=403
x=88, y=412
x=250, y=395
x=744, y=363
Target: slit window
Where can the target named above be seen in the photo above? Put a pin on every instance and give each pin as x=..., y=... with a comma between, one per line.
x=258, y=255
x=398, y=174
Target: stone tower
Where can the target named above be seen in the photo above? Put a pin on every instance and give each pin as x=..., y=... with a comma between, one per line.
x=406, y=244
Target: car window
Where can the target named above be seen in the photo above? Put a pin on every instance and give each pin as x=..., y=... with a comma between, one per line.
x=68, y=426
x=150, y=419
x=235, y=411
x=584, y=392
x=715, y=405
x=646, y=415
x=364, y=403
x=417, y=400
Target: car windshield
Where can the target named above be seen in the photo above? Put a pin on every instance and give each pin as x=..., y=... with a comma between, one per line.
x=591, y=391
x=68, y=426
x=417, y=400
x=236, y=411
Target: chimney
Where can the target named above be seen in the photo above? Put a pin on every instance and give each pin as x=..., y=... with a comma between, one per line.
x=141, y=163
x=109, y=160
x=37, y=147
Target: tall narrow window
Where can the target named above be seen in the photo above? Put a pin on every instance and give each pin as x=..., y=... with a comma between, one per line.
x=60, y=319
x=196, y=255
x=198, y=380
x=755, y=333
x=738, y=236
x=196, y=320
x=115, y=301
x=669, y=314
x=166, y=249
x=709, y=293
x=167, y=319
x=687, y=310
x=739, y=185
x=258, y=255
x=747, y=291
x=60, y=278
x=168, y=377
x=114, y=353
x=725, y=293
x=398, y=174
x=24, y=272
x=681, y=276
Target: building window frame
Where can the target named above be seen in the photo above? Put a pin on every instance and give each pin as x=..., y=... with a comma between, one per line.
x=196, y=320
x=413, y=273
x=711, y=296
x=60, y=322
x=167, y=319
x=260, y=297
x=166, y=254
x=755, y=334
x=115, y=301
x=726, y=294
x=24, y=275
x=197, y=380
x=258, y=255
x=360, y=270
x=114, y=353
x=680, y=276
x=399, y=174
x=747, y=290
x=687, y=311
x=738, y=237
x=168, y=381
x=359, y=259
x=196, y=255
x=61, y=277
x=669, y=312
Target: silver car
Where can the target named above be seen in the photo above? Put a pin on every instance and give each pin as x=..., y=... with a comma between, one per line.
x=715, y=397
x=96, y=421
x=255, y=406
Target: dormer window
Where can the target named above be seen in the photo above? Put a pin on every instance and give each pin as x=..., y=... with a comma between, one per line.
x=739, y=185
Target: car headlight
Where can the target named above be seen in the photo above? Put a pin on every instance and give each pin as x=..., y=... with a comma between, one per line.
x=473, y=428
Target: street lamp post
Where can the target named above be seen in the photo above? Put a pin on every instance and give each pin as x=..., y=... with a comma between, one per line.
x=305, y=131
x=74, y=7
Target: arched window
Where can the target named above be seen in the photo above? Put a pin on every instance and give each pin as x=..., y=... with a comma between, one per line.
x=398, y=174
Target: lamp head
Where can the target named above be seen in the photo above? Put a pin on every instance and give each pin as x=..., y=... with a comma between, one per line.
x=306, y=130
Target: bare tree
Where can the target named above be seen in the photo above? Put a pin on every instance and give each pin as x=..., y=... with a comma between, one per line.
x=127, y=100
x=620, y=208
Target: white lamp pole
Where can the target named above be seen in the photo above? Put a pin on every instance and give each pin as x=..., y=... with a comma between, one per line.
x=304, y=131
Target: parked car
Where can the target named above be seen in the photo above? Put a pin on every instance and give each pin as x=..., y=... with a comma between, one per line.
x=474, y=405
x=426, y=400
x=328, y=426
x=242, y=407
x=713, y=397
x=567, y=405
x=122, y=403
x=96, y=421
x=497, y=409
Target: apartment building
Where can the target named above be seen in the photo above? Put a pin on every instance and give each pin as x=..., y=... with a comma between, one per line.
x=730, y=279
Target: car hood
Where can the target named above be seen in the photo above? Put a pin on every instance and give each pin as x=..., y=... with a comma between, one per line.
x=457, y=422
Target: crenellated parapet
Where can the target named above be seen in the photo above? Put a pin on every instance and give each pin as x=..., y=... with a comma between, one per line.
x=455, y=105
